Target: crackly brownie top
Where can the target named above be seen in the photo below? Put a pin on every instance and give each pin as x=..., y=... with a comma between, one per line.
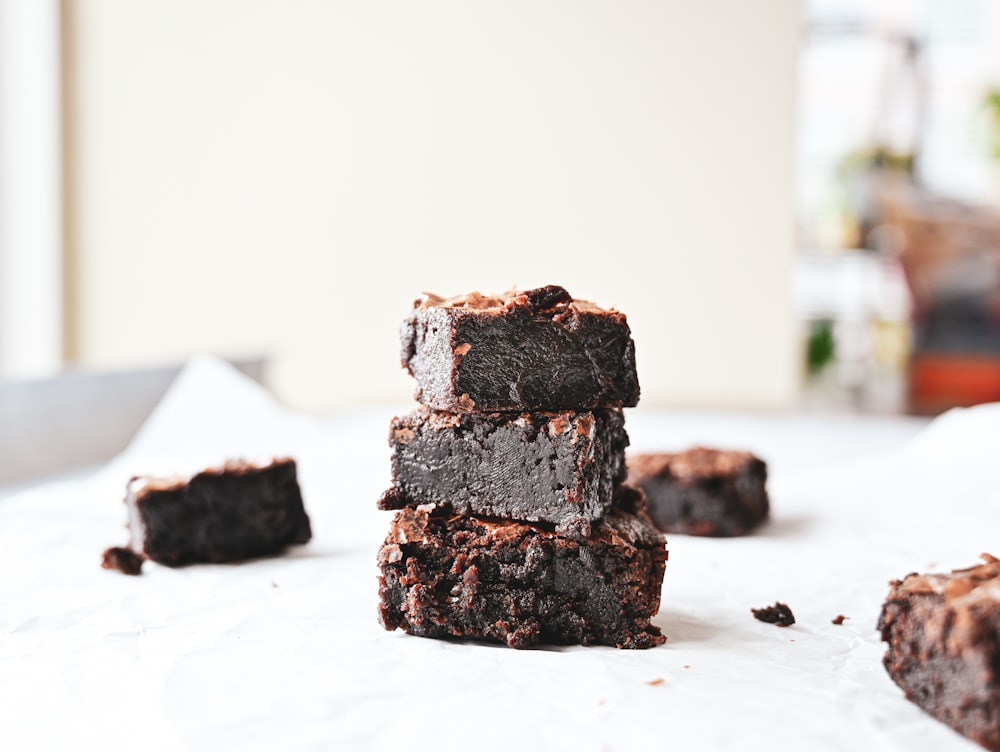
x=695, y=464
x=141, y=485
x=549, y=299
x=616, y=528
x=981, y=582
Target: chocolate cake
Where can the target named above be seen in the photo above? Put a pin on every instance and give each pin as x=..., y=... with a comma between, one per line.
x=446, y=575
x=943, y=632
x=703, y=491
x=560, y=467
x=519, y=352
x=239, y=511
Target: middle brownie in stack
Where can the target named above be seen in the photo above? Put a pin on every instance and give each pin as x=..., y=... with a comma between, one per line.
x=515, y=525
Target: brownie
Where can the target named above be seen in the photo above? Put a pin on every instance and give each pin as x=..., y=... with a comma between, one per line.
x=519, y=352
x=703, y=491
x=560, y=467
x=943, y=632
x=445, y=575
x=239, y=511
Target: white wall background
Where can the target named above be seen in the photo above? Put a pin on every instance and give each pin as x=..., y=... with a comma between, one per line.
x=31, y=243
x=264, y=175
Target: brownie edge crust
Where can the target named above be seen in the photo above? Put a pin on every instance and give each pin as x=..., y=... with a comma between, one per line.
x=943, y=632
x=444, y=575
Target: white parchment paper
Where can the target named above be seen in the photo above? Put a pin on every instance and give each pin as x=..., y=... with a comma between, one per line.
x=287, y=654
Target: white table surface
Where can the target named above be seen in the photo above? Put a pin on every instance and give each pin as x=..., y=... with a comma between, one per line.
x=286, y=653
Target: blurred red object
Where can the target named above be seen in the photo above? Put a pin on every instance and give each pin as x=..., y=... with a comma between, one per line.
x=942, y=381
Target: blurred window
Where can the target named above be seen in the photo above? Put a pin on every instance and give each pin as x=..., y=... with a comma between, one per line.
x=899, y=175
x=910, y=76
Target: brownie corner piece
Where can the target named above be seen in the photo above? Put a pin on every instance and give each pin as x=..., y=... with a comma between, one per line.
x=943, y=635
x=703, y=491
x=556, y=467
x=241, y=510
x=444, y=575
x=535, y=350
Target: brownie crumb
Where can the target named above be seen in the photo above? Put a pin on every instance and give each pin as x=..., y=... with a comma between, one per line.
x=838, y=620
x=779, y=614
x=125, y=560
x=548, y=297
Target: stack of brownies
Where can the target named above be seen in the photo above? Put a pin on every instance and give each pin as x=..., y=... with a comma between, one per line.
x=514, y=524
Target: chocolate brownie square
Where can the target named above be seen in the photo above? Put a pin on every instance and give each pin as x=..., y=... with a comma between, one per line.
x=556, y=467
x=452, y=576
x=239, y=511
x=703, y=491
x=943, y=632
x=519, y=352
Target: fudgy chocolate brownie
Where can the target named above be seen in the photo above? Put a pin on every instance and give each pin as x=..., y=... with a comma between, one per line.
x=519, y=352
x=943, y=632
x=239, y=511
x=446, y=575
x=703, y=491
x=537, y=467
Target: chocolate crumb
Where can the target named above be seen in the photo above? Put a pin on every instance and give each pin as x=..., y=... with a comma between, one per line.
x=546, y=298
x=779, y=614
x=656, y=682
x=838, y=620
x=125, y=560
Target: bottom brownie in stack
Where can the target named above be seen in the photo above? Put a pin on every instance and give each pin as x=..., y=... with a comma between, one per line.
x=449, y=575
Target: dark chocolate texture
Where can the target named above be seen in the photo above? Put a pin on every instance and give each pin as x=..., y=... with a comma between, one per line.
x=560, y=468
x=943, y=632
x=702, y=491
x=521, y=352
x=444, y=575
x=779, y=614
x=238, y=511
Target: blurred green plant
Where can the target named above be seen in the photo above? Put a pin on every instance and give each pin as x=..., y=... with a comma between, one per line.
x=993, y=106
x=820, y=347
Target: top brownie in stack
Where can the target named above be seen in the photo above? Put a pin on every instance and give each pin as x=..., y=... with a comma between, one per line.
x=520, y=352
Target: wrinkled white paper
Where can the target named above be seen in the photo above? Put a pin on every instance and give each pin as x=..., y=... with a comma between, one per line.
x=287, y=653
